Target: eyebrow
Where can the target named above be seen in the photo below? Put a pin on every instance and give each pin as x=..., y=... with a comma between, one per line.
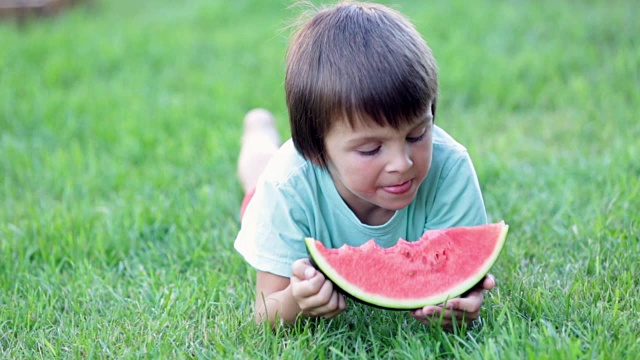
x=427, y=121
x=362, y=140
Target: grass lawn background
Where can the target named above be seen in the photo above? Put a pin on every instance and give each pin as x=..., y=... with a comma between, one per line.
x=119, y=129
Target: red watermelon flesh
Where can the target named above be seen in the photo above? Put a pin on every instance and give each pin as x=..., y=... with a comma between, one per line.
x=441, y=265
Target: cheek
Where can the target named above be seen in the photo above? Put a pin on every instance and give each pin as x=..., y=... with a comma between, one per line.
x=352, y=163
x=425, y=157
x=358, y=172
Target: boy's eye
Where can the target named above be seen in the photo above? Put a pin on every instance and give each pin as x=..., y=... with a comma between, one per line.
x=369, y=152
x=415, y=139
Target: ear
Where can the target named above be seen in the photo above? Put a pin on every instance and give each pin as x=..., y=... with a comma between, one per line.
x=433, y=108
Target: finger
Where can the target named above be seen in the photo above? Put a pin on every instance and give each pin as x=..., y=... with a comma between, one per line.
x=457, y=315
x=428, y=312
x=471, y=303
x=307, y=288
x=458, y=306
x=489, y=282
x=331, y=308
x=433, y=316
x=333, y=313
x=300, y=267
x=486, y=283
x=311, y=299
x=427, y=321
x=322, y=297
x=450, y=318
x=425, y=311
x=440, y=312
x=343, y=302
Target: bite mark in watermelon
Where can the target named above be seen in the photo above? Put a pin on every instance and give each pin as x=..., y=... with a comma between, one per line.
x=441, y=265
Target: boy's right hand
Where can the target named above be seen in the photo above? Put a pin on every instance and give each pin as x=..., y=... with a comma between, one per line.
x=313, y=292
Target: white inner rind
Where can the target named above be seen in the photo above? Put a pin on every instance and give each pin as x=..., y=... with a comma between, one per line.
x=395, y=303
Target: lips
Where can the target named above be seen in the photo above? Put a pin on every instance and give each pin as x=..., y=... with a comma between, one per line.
x=398, y=189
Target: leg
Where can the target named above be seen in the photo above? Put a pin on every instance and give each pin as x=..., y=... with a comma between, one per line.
x=260, y=141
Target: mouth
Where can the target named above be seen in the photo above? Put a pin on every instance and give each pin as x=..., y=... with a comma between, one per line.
x=399, y=189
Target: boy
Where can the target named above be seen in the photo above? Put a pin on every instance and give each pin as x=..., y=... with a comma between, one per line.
x=365, y=161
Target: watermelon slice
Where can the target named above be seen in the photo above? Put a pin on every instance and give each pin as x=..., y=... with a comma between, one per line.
x=441, y=265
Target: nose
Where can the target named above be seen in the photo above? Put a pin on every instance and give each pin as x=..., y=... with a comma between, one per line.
x=399, y=159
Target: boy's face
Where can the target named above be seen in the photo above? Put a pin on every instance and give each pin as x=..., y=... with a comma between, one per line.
x=378, y=170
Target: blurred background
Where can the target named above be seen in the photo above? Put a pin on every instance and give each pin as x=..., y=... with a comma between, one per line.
x=119, y=131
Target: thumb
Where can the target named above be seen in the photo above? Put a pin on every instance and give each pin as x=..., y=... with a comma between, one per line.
x=302, y=269
x=309, y=272
x=489, y=282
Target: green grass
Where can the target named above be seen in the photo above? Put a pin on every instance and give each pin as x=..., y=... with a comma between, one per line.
x=119, y=127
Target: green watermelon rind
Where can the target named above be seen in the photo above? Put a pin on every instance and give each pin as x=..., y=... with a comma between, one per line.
x=393, y=303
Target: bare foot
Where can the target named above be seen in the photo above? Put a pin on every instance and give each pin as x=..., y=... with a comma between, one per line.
x=260, y=141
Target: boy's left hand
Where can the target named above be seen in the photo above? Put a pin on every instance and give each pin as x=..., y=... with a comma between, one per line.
x=465, y=308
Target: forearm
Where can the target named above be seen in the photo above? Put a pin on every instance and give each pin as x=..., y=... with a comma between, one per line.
x=276, y=307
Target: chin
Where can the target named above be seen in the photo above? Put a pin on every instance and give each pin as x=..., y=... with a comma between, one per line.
x=398, y=205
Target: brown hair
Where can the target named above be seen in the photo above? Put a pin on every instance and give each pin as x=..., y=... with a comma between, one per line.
x=356, y=61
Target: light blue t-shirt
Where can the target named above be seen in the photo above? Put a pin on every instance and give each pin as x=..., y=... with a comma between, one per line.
x=295, y=199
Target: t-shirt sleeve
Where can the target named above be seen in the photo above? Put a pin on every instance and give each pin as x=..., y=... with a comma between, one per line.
x=273, y=229
x=458, y=200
